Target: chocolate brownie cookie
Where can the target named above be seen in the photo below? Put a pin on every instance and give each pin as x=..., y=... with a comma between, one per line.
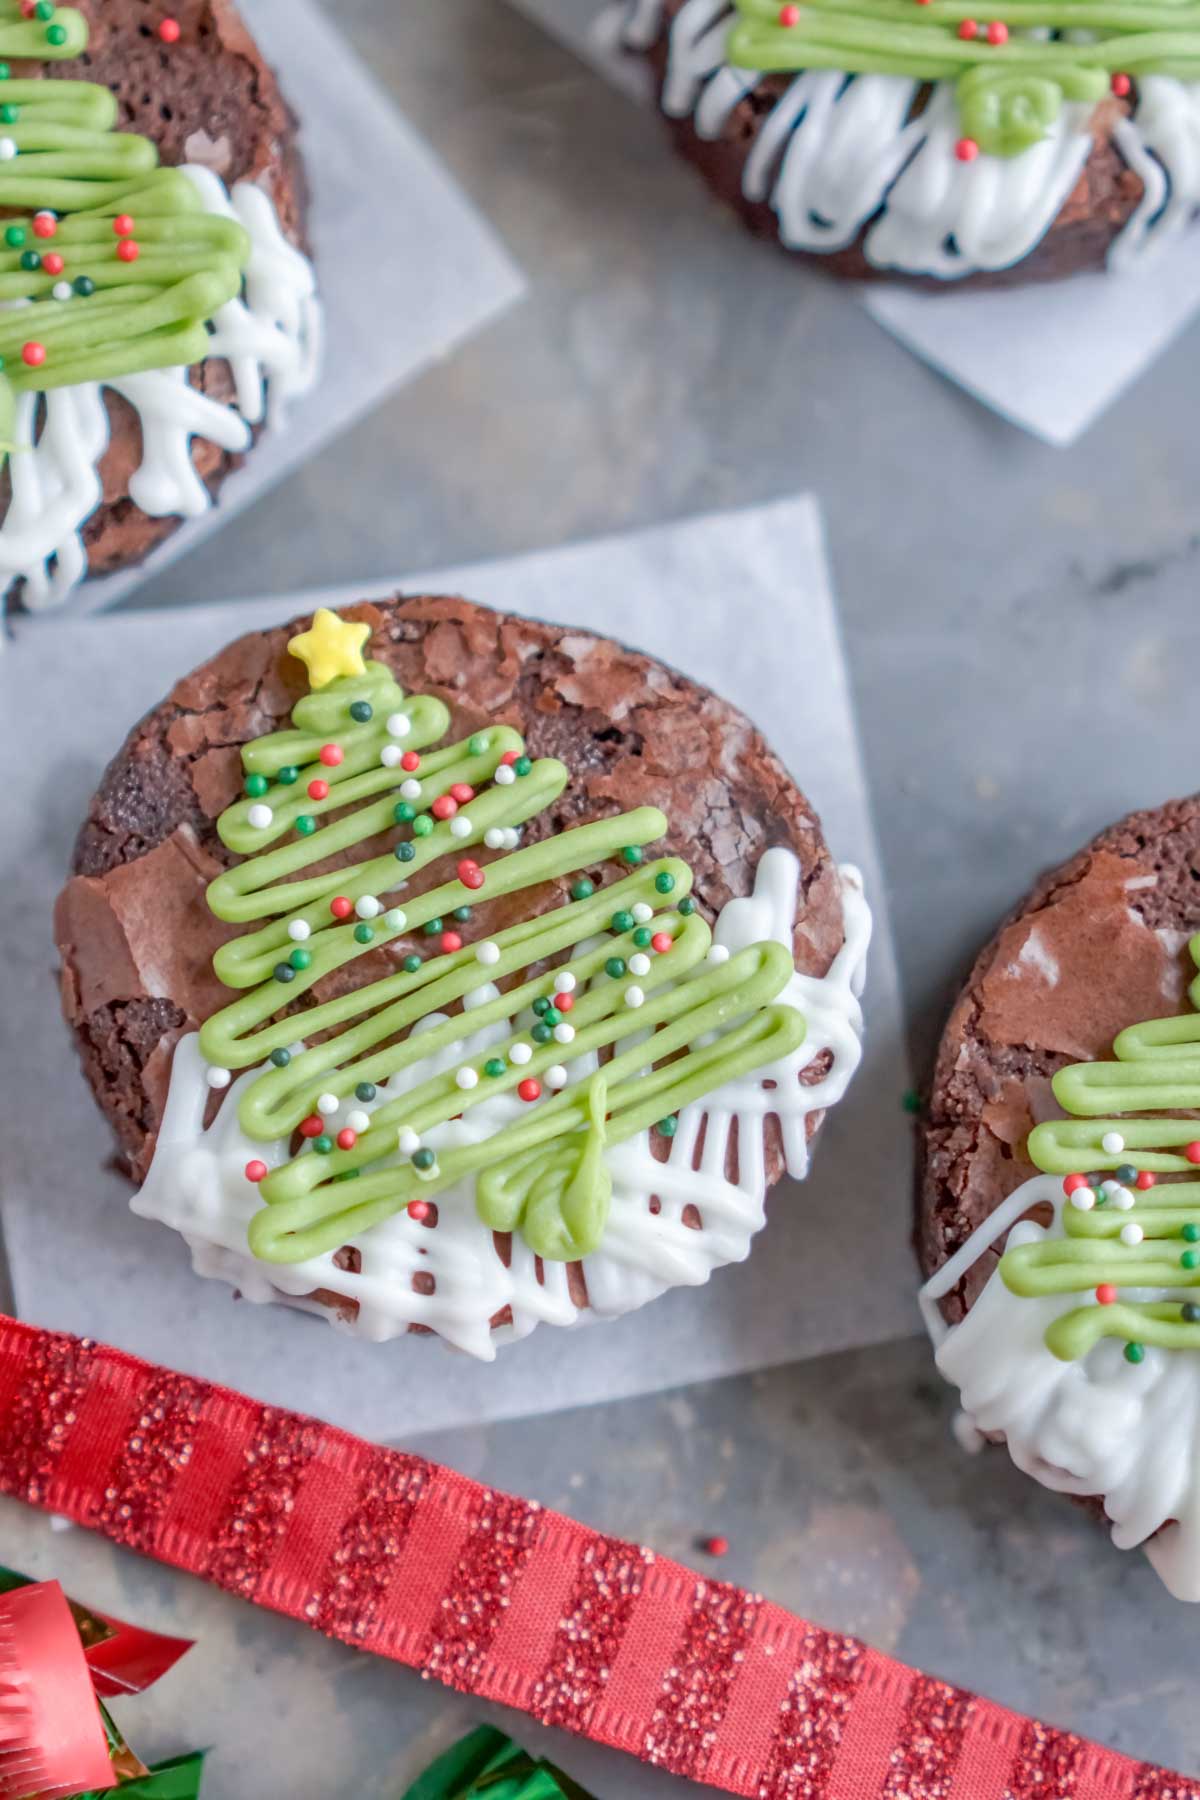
x=195, y=87
x=573, y=748
x=1057, y=1206
x=941, y=150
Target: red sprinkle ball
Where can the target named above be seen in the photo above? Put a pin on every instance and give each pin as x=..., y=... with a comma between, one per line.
x=451, y=941
x=564, y=1002
x=341, y=908
x=28, y=8
x=997, y=32
x=1146, y=1180
x=470, y=873
x=419, y=1210
x=966, y=149
x=789, y=16
x=1192, y=1152
x=510, y=757
x=33, y=355
x=318, y=789
x=410, y=761
x=168, y=30
x=1072, y=1183
x=346, y=1138
x=53, y=263
x=123, y=225
x=715, y=1546
x=331, y=755
x=256, y=1171
x=1106, y=1293
x=661, y=941
x=313, y=1126
x=444, y=807
x=1121, y=86
x=127, y=250
x=968, y=29
x=462, y=792
x=45, y=225
x=529, y=1089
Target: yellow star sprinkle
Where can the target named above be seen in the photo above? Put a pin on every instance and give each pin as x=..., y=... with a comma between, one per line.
x=330, y=647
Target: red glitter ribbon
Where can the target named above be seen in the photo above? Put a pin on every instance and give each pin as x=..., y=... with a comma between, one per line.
x=498, y=1597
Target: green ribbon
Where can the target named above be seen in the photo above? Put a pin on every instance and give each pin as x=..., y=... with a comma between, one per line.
x=177, y=1779
x=489, y=1766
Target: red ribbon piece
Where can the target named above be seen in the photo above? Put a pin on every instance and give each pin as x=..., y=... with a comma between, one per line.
x=52, y=1740
x=500, y=1598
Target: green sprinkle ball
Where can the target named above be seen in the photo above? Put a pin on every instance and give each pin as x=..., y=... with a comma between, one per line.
x=433, y=927
x=522, y=765
x=663, y=882
x=256, y=786
x=1191, y=1312
x=44, y=10
x=541, y=1005
x=622, y=921
x=30, y=260
x=494, y=1066
x=687, y=906
x=1126, y=1174
x=404, y=812
x=615, y=966
x=478, y=744
x=582, y=890
x=10, y=113
x=632, y=855
x=541, y=1033
x=286, y=776
x=364, y=933
x=306, y=825
x=323, y=1145
x=300, y=958
x=365, y=1090
x=423, y=1160
x=411, y=964
x=14, y=235
x=669, y=1126
x=5, y=71
x=422, y=826
x=1189, y=1259
x=55, y=34
x=462, y=914
x=642, y=936
x=281, y=1058
x=1191, y=1232
x=284, y=972
x=405, y=852
x=1135, y=1353
x=552, y=1016
x=361, y=711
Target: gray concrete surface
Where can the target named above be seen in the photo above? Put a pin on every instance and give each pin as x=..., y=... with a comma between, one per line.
x=1020, y=630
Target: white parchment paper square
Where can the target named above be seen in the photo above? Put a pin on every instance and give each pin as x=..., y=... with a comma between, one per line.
x=834, y=1267
x=1051, y=357
x=406, y=267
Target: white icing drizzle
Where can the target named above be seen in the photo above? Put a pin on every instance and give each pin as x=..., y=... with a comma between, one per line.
x=271, y=338
x=197, y=1183
x=1128, y=1432
x=837, y=153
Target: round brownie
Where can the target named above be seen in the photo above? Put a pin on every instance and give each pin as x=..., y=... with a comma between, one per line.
x=205, y=98
x=729, y=112
x=137, y=938
x=1099, y=944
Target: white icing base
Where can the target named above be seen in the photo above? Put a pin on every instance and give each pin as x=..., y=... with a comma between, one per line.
x=1128, y=1432
x=271, y=338
x=197, y=1183
x=837, y=151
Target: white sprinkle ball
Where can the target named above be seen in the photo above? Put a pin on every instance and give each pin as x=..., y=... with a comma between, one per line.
x=565, y=983
x=493, y=837
x=555, y=1076
x=461, y=827
x=407, y=1140
x=1110, y=1186
x=395, y=920
x=217, y=1078
x=1131, y=1233
x=327, y=1103
x=359, y=1120
x=368, y=907
x=62, y=290
x=487, y=953
x=634, y=996
x=1112, y=1143
x=639, y=964
x=564, y=1033
x=299, y=930
x=641, y=912
x=1123, y=1200
x=467, y=1078
x=520, y=1054
x=390, y=756
x=512, y=837
x=260, y=817
x=505, y=775
x=8, y=149
x=1083, y=1199
x=430, y=1174
x=398, y=724
x=717, y=955
x=410, y=789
